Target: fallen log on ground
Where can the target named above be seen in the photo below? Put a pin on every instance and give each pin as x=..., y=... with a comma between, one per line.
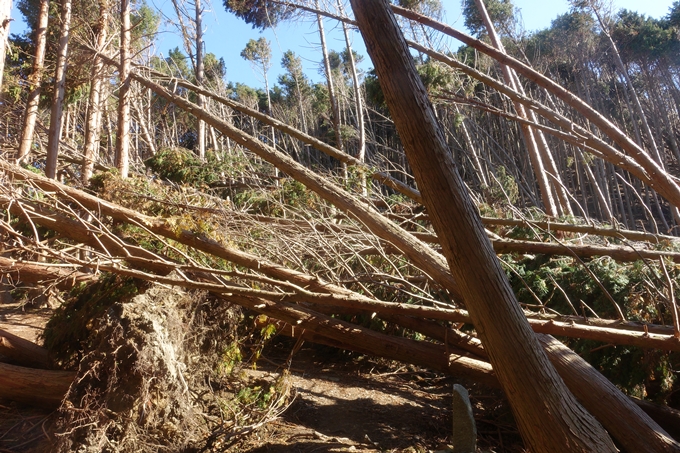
x=416, y=251
x=666, y=417
x=43, y=388
x=153, y=225
x=23, y=352
x=361, y=339
x=63, y=278
x=630, y=333
x=78, y=231
x=501, y=246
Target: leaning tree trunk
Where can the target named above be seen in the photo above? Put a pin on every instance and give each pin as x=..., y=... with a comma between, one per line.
x=549, y=417
x=35, y=82
x=94, y=110
x=199, y=75
x=531, y=138
x=59, y=88
x=123, y=139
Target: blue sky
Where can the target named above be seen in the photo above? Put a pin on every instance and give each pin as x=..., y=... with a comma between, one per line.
x=226, y=35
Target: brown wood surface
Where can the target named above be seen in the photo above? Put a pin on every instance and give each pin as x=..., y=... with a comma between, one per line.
x=633, y=429
x=548, y=416
x=36, y=387
x=23, y=352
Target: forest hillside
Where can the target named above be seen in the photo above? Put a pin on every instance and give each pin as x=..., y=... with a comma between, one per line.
x=185, y=258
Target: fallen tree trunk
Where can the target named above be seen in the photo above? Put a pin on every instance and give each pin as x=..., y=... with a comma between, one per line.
x=636, y=433
x=418, y=252
x=624, y=420
x=668, y=418
x=317, y=144
x=62, y=278
x=615, y=332
x=23, y=352
x=585, y=229
x=582, y=251
x=570, y=326
x=617, y=253
x=640, y=236
x=41, y=388
x=371, y=342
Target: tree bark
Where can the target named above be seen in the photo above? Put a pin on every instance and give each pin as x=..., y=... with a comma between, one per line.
x=627, y=423
x=59, y=88
x=123, y=131
x=35, y=387
x=548, y=416
x=23, y=352
x=35, y=82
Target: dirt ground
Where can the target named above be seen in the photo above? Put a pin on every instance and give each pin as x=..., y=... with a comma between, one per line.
x=342, y=402
x=349, y=402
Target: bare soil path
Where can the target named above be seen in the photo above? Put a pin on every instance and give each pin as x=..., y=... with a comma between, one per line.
x=348, y=402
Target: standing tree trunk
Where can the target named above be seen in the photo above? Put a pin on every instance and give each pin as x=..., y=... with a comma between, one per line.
x=549, y=417
x=199, y=75
x=94, y=110
x=335, y=109
x=5, y=10
x=35, y=82
x=358, y=103
x=123, y=139
x=59, y=88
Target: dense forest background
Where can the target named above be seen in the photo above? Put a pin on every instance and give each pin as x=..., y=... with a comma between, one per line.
x=620, y=62
x=300, y=204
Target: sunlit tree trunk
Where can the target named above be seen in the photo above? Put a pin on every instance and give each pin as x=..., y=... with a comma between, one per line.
x=358, y=103
x=94, y=111
x=123, y=135
x=335, y=111
x=59, y=88
x=200, y=75
x=35, y=82
x=549, y=417
x=5, y=10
